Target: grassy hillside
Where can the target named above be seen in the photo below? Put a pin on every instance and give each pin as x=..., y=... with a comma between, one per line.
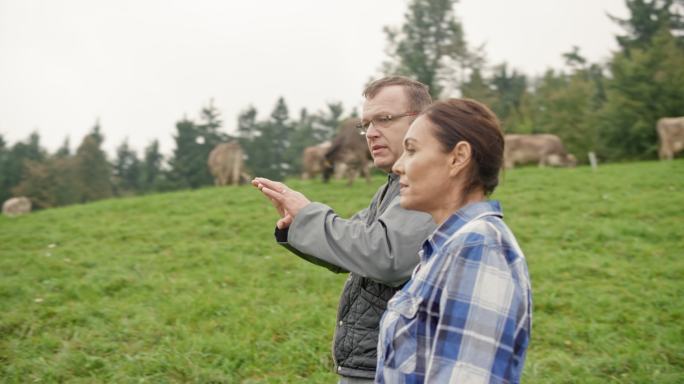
x=190, y=287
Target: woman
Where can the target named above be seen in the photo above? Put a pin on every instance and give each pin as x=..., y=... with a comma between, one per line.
x=465, y=315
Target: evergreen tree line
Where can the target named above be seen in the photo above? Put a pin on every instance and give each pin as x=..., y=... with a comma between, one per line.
x=62, y=178
x=609, y=108
x=273, y=147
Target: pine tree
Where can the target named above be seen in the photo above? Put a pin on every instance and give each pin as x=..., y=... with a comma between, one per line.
x=510, y=104
x=126, y=170
x=429, y=46
x=302, y=137
x=646, y=84
x=647, y=19
x=268, y=143
x=646, y=79
x=15, y=162
x=562, y=105
x=151, y=176
x=50, y=183
x=247, y=125
x=327, y=122
x=276, y=141
x=574, y=58
x=194, y=142
x=248, y=132
x=209, y=126
x=479, y=88
x=184, y=161
x=65, y=149
x=96, y=134
x=4, y=171
x=92, y=170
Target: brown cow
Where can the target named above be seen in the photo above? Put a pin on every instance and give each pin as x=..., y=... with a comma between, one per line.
x=671, y=136
x=543, y=149
x=313, y=160
x=349, y=151
x=226, y=164
x=16, y=206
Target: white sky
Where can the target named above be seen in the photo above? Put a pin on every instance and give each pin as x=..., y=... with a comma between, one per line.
x=141, y=65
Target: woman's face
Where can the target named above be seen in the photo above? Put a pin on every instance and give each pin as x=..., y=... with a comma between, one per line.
x=426, y=173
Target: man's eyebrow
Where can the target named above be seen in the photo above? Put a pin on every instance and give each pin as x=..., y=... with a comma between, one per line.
x=378, y=114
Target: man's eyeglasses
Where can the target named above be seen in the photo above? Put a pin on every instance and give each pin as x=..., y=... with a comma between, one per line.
x=380, y=121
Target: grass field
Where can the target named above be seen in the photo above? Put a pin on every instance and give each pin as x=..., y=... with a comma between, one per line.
x=190, y=286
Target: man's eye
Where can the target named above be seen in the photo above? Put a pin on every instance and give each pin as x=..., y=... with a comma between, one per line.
x=384, y=119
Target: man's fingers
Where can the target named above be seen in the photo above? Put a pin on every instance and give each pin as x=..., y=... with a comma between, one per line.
x=286, y=201
x=274, y=185
x=276, y=200
x=281, y=224
x=278, y=206
x=284, y=222
x=276, y=197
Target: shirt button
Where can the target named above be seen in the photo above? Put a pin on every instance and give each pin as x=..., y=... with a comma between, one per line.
x=339, y=369
x=341, y=323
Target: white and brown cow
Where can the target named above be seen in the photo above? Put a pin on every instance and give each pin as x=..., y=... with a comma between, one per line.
x=542, y=149
x=226, y=164
x=671, y=136
x=16, y=206
x=349, y=153
x=313, y=160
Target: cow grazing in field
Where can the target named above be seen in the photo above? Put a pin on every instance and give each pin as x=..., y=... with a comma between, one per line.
x=671, y=136
x=313, y=160
x=349, y=151
x=543, y=149
x=226, y=164
x=16, y=206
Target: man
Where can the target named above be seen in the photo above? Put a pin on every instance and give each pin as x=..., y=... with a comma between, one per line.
x=378, y=246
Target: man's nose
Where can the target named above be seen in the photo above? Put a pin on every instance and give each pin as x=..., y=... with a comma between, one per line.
x=371, y=131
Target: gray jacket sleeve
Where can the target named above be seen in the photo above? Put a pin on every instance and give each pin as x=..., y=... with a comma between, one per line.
x=386, y=250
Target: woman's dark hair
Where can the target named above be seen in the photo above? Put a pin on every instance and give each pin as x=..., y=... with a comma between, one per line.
x=467, y=120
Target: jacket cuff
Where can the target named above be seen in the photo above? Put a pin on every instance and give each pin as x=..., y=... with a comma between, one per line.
x=281, y=235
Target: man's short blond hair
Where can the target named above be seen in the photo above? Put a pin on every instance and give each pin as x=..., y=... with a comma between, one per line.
x=418, y=94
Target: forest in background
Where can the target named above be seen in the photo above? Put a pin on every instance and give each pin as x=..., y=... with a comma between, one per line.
x=609, y=108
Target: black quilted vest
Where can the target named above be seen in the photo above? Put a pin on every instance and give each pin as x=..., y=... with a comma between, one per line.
x=361, y=306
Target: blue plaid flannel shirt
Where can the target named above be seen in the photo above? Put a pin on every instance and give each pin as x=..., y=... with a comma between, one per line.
x=465, y=315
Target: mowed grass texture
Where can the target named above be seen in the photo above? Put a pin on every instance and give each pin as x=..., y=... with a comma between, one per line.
x=190, y=286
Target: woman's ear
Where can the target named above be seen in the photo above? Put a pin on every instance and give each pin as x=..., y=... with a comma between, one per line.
x=460, y=157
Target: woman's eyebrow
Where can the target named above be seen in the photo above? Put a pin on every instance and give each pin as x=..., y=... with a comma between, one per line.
x=409, y=140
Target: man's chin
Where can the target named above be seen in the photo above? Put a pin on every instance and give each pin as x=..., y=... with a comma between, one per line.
x=384, y=166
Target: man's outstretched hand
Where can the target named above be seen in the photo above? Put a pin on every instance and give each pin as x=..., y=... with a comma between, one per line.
x=286, y=201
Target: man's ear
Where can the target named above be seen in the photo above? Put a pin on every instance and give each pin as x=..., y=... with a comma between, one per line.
x=460, y=157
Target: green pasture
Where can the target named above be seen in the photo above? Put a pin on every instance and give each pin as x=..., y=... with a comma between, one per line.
x=190, y=287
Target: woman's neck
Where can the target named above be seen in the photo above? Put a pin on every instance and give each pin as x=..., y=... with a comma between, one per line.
x=444, y=212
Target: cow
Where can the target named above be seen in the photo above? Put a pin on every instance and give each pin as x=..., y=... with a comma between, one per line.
x=313, y=160
x=226, y=164
x=349, y=151
x=16, y=206
x=543, y=149
x=671, y=136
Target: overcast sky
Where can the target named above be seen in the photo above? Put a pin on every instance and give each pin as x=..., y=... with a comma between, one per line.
x=139, y=66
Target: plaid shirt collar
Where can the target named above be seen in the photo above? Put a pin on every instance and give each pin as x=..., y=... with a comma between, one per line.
x=455, y=222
